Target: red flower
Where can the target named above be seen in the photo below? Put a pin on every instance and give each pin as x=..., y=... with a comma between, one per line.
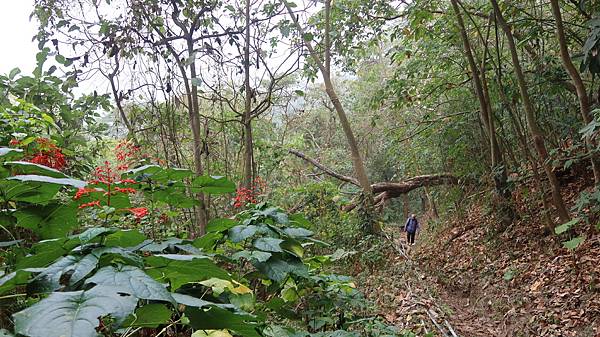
x=128, y=181
x=125, y=190
x=82, y=192
x=14, y=142
x=47, y=154
x=90, y=204
x=139, y=212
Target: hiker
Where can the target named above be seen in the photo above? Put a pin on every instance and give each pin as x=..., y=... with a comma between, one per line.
x=411, y=227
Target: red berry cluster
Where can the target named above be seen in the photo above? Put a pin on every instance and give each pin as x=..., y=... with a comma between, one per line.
x=244, y=195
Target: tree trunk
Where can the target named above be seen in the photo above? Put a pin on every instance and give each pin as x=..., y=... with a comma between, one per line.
x=536, y=133
x=487, y=117
x=584, y=102
x=359, y=168
x=194, y=116
x=246, y=117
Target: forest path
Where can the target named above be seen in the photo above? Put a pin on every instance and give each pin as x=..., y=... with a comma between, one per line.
x=420, y=304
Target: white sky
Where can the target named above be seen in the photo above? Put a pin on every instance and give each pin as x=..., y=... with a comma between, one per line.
x=16, y=32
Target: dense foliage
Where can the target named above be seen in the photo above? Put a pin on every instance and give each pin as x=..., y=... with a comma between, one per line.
x=247, y=155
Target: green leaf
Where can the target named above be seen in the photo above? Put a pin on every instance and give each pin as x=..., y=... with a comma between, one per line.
x=179, y=271
x=215, y=318
x=91, y=233
x=197, y=302
x=574, y=243
x=146, y=169
x=74, y=267
x=74, y=314
x=9, y=243
x=124, y=238
x=255, y=255
x=45, y=252
x=49, y=180
x=8, y=153
x=131, y=280
x=13, y=73
x=208, y=241
x=219, y=225
x=33, y=192
x=293, y=247
x=149, y=316
x=27, y=168
x=276, y=214
x=242, y=232
x=297, y=232
x=566, y=226
x=277, y=269
x=49, y=222
x=12, y=280
x=268, y=244
x=60, y=59
x=212, y=185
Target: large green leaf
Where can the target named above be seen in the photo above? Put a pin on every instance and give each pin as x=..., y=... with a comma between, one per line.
x=10, y=281
x=192, y=301
x=149, y=316
x=242, y=232
x=276, y=214
x=124, y=238
x=8, y=153
x=277, y=268
x=67, y=271
x=212, y=185
x=268, y=244
x=219, y=225
x=74, y=314
x=27, y=168
x=131, y=280
x=49, y=222
x=218, y=318
x=33, y=192
x=297, y=232
x=182, y=269
x=45, y=252
x=293, y=247
x=158, y=247
x=255, y=255
x=50, y=180
x=92, y=233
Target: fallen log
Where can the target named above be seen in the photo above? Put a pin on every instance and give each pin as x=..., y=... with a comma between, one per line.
x=385, y=190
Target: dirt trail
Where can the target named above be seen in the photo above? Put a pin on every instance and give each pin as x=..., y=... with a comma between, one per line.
x=462, y=317
x=415, y=301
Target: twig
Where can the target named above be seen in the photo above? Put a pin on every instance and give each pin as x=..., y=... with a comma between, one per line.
x=450, y=328
x=437, y=325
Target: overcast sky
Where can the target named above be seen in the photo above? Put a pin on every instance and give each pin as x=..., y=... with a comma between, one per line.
x=16, y=32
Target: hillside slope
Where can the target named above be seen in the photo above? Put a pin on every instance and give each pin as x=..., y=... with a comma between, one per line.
x=486, y=282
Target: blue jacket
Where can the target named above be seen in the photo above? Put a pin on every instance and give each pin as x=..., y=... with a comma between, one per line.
x=411, y=225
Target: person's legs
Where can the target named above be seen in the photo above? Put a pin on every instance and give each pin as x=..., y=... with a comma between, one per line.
x=410, y=237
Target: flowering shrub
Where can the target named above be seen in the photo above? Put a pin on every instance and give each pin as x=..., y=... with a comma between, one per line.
x=244, y=195
x=43, y=152
x=107, y=183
